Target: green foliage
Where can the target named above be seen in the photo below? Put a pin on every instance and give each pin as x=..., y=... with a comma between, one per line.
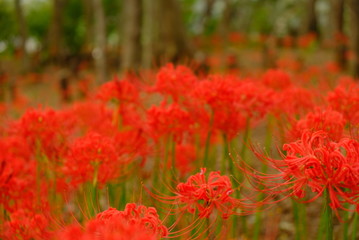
x=262, y=17
x=74, y=26
x=38, y=17
x=7, y=21
x=112, y=13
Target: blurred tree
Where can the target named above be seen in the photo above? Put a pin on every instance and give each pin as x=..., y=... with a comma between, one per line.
x=339, y=35
x=38, y=17
x=73, y=28
x=56, y=38
x=354, y=6
x=312, y=18
x=149, y=33
x=23, y=34
x=7, y=26
x=131, y=42
x=172, y=44
x=88, y=24
x=164, y=34
x=99, y=52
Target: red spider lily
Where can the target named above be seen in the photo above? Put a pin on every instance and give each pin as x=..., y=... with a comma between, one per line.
x=185, y=157
x=26, y=225
x=327, y=120
x=174, y=81
x=317, y=163
x=168, y=120
x=135, y=222
x=93, y=158
x=128, y=116
x=93, y=117
x=306, y=40
x=293, y=101
x=45, y=131
x=131, y=142
x=122, y=91
x=276, y=79
x=231, y=102
x=17, y=174
x=345, y=99
x=204, y=195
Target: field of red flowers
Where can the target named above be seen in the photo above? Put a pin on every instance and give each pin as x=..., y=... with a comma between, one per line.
x=177, y=154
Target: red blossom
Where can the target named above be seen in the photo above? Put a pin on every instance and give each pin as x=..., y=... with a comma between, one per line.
x=45, y=131
x=93, y=158
x=174, y=81
x=276, y=79
x=122, y=91
x=168, y=120
x=136, y=222
x=26, y=225
x=345, y=99
x=317, y=163
x=327, y=120
x=204, y=195
x=232, y=102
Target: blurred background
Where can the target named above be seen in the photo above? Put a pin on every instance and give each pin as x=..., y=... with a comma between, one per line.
x=66, y=38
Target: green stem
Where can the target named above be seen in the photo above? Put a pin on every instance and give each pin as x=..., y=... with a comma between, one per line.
x=95, y=175
x=296, y=215
x=91, y=194
x=245, y=139
x=240, y=177
x=328, y=217
x=355, y=226
x=207, y=144
x=225, y=155
x=346, y=224
x=123, y=196
x=268, y=144
x=209, y=228
x=206, y=149
x=303, y=220
x=321, y=228
x=174, y=157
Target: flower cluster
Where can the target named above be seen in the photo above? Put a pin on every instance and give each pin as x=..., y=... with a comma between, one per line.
x=136, y=222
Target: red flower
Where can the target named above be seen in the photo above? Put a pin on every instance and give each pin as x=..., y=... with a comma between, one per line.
x=91, y=116
x=276, y=79
x=204, y=195
x=46, y=131
x=174, y=81
x=26, y=225
x=169, y=120
x=232, y=102
x=327, y=120
x=93, y=158
x=317, y=163
x=345, y=99
x=122, y=91
x=293, y=101
x=135, y=222
x=185, y=157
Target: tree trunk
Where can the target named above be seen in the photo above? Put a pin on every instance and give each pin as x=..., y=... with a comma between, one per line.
x=149, y=32
x=207, y=14
x=131, y=47
x=56, y=40
x=312, y=20
x=339, y=36
x=23, y=34
x=88, y=12
x=172, y=44
x=224, y=30
x=354, y=5
x=99, y=52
